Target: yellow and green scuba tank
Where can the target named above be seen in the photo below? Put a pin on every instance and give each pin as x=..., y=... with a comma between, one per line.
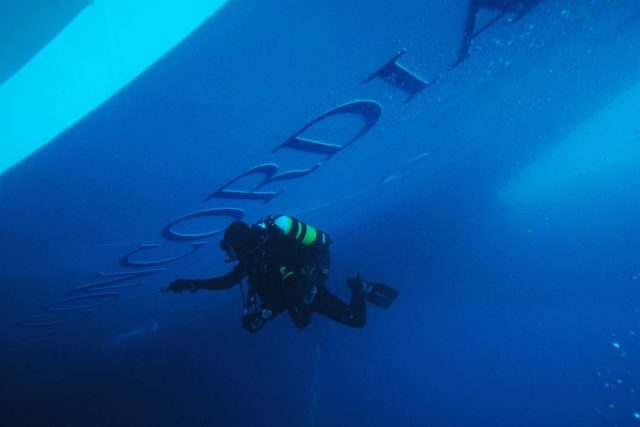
x=303, y=233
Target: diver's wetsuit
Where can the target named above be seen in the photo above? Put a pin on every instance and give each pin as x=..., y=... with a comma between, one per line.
x=284, y=274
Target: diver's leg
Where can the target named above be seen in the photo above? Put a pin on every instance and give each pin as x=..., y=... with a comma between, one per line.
x=300, y=315
x=380, y=294
x=329, y=305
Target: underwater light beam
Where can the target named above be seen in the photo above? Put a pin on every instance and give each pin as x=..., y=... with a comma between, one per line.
x=106, y=46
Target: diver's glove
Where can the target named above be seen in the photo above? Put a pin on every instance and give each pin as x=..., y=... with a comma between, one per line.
x=182, y=285
x=254, y=321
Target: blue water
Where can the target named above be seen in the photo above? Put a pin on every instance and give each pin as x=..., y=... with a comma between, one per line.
x=492, y=179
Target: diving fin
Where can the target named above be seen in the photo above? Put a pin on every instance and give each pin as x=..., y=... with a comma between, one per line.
x=376, y=293
x=380, y=295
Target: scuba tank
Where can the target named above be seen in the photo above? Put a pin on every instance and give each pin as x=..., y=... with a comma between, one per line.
x=297, y=230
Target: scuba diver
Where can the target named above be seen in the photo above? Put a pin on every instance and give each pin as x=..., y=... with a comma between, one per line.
x=287, y=263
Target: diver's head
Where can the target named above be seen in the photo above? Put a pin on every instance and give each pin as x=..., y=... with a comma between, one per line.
x=239, y=241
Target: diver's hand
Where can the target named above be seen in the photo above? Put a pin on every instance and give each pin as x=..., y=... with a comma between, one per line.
x=182, y=285
x=253, y=322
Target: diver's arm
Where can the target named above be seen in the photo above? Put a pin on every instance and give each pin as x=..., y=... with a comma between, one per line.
x=222, y=282
x=214, y=284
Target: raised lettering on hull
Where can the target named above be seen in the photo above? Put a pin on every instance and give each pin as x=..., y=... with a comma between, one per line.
x=519, y=8
x=370, y=111
x=401, y=77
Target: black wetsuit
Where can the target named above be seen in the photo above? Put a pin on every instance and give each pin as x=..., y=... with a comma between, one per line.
x=284, y=275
